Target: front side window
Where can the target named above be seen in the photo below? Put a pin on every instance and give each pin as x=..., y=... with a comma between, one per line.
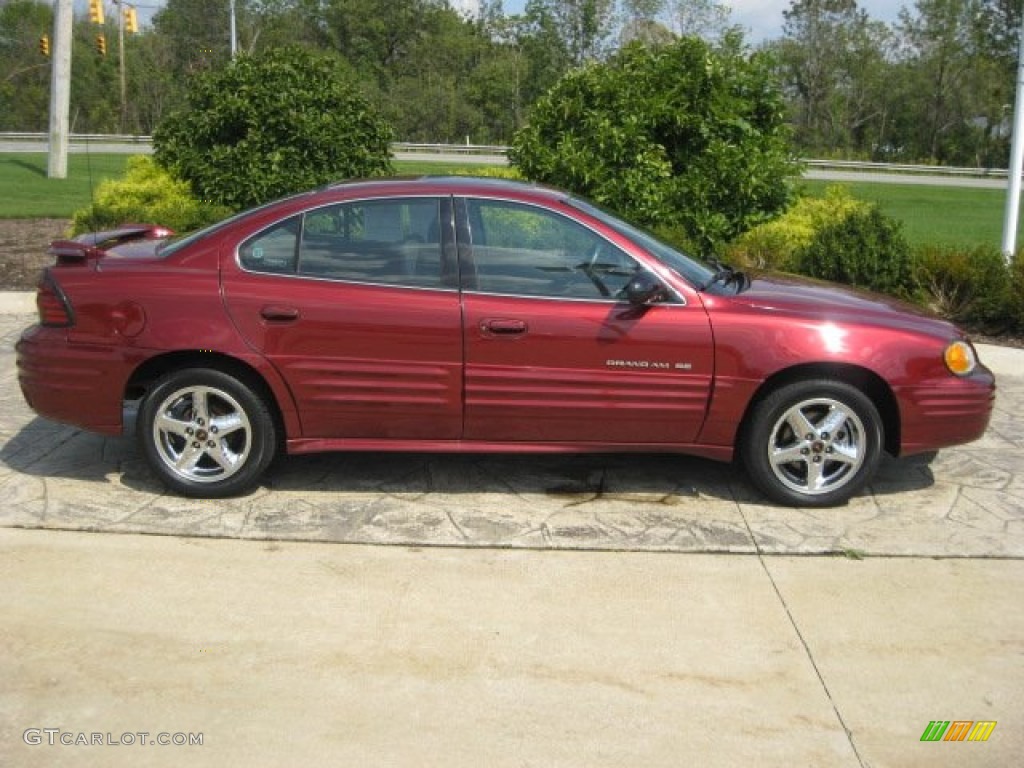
x=526, y=251
x=392, y=242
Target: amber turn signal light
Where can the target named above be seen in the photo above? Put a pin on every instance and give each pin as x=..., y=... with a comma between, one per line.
x=960, y=358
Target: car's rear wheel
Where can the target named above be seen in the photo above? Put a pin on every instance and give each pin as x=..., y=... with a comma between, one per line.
x=813, y=443
x=206, y=433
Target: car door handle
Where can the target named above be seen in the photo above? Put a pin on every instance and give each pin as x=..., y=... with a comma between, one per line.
x=503, y=327
x=276, y=313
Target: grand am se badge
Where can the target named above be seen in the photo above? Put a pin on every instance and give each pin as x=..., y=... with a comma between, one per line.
x=648, y=364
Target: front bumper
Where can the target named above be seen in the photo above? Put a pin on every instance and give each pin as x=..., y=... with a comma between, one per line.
x=951, y=411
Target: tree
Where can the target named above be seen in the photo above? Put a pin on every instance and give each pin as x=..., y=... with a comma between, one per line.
x=836, y=62
x=951, y=96
x=265, y=126
x=684, y=136
x=198, y=33
x=701, y=18
x=24, y=72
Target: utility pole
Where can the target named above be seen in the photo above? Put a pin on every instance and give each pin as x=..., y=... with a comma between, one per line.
x=1016, y=159
x=60, y=91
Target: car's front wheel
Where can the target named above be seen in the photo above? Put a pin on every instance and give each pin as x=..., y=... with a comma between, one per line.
x=813, y=443
x=206, y=433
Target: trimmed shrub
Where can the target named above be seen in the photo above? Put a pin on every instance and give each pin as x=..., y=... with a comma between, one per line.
x=775, y=244
x=267, y=126
x=969, y=286
x=679, y=136
x=866, y=249
x=1015, y=295
x=146, y=194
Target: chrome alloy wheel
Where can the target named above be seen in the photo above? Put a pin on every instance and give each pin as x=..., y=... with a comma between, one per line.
x=817, y=446
x=202, y=434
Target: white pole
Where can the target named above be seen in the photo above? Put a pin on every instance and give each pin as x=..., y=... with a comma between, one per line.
x=234, y=33
x=60, y=91
x=1016, y=159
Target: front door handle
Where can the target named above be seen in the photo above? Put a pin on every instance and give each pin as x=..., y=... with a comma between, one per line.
x=277, y=313
x=497, y=327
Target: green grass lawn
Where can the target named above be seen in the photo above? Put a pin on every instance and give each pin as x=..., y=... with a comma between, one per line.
x=947, y=215
x=943, y=215
x=27, y=193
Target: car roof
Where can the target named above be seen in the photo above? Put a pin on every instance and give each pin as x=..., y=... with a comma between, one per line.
x=455, y=185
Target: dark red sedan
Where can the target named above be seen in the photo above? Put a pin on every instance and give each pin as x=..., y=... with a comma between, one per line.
x=455, y=314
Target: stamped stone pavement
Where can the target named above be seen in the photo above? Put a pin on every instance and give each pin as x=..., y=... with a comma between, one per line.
x=967, y=501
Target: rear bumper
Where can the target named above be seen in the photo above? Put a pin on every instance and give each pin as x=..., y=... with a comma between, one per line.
x=77, y=384
x=951, y=411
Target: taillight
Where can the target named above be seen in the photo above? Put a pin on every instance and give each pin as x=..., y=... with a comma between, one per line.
x=54, y=307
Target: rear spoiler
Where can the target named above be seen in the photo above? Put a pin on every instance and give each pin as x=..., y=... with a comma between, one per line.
x=94, y=245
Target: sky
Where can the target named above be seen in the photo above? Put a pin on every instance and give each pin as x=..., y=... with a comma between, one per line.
x=762, y=19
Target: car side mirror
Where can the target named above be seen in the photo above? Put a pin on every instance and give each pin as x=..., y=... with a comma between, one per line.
x=645, y=289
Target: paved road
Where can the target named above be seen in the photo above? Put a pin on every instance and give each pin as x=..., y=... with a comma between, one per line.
x=452, y=158
x=914, y=179
x=968, y=501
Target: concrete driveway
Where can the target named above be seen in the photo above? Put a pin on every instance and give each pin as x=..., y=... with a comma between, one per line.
x=967, y=501
x=223, y=643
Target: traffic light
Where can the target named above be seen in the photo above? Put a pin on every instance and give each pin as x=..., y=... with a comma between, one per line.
x=96, y=11
x=131, y=20
x=44, y=45
x=101, y=45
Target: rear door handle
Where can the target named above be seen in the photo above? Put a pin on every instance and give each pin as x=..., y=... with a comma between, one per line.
x=503, y=327
x=276, y=313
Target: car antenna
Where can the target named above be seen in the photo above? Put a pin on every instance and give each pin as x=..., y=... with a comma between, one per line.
x=92, y=196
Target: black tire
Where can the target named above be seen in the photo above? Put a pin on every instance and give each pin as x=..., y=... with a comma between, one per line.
x=205, y=433
x=812, y=443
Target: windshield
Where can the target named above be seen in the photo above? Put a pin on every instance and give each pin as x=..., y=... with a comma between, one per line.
x=690, y=269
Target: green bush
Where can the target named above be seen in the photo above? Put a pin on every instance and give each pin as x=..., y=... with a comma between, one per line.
x=1015, y=295
x=267, y=126
x=491, y=173
x=969, y=286
x=679, y=136
x=866, y=249
x=146, y=194
x=775, y=244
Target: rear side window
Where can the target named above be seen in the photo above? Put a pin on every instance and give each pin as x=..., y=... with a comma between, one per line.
x=273, y=250
x=391, y=242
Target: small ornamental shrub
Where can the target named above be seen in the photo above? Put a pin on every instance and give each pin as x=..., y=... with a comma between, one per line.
x=866, y=249
x=1015, y=295
x=146, y=194
x=774, y=244
x=969, y=286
